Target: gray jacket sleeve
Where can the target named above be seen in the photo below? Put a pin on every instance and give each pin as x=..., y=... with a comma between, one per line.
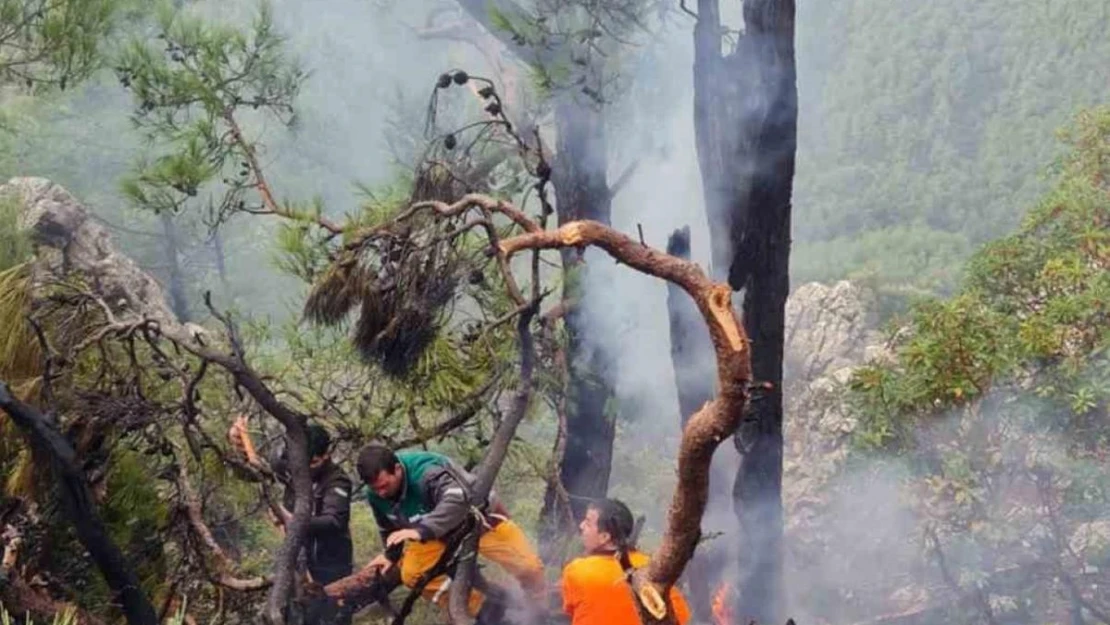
x=450, y=501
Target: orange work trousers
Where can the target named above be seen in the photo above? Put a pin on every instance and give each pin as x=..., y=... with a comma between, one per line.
x=506, y=544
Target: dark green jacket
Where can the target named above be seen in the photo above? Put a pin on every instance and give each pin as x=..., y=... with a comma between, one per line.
x=435, y=497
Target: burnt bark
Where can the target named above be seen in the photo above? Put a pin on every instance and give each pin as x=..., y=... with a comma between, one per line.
x=78, y=502
x=746, y=129
x=691, y=349
x=580, y=179
x=692, y=360
x=582, y=191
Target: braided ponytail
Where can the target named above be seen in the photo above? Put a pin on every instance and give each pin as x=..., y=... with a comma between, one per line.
x=614, y=518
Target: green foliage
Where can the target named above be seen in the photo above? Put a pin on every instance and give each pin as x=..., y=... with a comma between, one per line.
x=66, y=617
x=915, y=119
x=1033, y=310
x=193, y=95
x=998, y=397
x=54, y=43
x=15, y=245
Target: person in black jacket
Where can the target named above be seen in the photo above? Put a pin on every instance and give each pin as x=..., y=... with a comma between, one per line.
x=328, y=548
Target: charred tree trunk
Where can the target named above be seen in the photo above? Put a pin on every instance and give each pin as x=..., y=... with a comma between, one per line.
x=691, y=349
x=692, y=357
x=178, y=300
x=582, y=192
x=746, y=125
x=77, y=500
x=580, y=178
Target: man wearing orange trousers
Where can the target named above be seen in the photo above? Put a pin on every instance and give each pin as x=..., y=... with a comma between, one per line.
x=420, y=501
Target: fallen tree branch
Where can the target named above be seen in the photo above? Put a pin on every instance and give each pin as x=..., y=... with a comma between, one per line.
x=223, y=564
x=295, y=424
x=77, y=500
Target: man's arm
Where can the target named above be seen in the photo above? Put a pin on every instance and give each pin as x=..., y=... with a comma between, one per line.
x=450, y=505
x=681, y=608
x=336, y=512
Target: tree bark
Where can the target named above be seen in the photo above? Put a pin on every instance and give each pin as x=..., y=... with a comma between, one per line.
x=692, y=360
x=178, y=300
x=582, y=191
x=77, y=500
x=746, y=129
x=580, y=178
x=691, y=349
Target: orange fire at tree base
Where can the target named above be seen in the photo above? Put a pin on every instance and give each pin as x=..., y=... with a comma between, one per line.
x=722, y=608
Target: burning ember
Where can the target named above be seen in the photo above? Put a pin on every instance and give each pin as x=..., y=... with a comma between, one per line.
x=722, y=608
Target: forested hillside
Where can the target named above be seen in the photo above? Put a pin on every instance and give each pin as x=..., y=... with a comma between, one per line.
x=926, y=127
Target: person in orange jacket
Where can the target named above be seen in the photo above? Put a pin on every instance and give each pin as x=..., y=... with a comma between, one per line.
x=595, y=586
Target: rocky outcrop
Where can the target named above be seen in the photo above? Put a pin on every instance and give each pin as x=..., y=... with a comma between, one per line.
x=68, y=241
x=830, y=330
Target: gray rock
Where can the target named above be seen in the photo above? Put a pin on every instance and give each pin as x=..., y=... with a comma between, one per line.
x=68, y=242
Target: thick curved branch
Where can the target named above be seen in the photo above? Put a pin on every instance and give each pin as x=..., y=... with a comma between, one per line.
x=704, y=431
x=714, y=300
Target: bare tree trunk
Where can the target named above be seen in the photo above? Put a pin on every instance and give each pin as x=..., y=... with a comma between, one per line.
x=77, y=501
x=178, y=301
x=221, y=260
x=582, y=191
x=692, y=357
x=580, y=178
x=746, y=124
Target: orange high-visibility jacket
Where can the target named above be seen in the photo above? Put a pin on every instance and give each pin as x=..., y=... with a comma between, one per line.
x=595, y=592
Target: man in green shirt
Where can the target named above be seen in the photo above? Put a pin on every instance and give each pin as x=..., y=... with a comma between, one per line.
x=420, y=500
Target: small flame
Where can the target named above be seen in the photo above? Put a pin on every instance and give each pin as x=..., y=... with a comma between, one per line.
x=722, y=611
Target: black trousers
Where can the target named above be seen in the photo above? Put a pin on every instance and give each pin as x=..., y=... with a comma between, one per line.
x=325, y=610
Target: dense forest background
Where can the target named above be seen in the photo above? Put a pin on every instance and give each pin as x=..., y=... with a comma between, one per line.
x=926, y=131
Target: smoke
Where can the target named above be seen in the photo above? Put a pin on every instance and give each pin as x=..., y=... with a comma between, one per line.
x=370, y=76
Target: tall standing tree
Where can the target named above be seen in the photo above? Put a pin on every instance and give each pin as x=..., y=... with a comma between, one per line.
x=745, y=121
x=562, y=45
